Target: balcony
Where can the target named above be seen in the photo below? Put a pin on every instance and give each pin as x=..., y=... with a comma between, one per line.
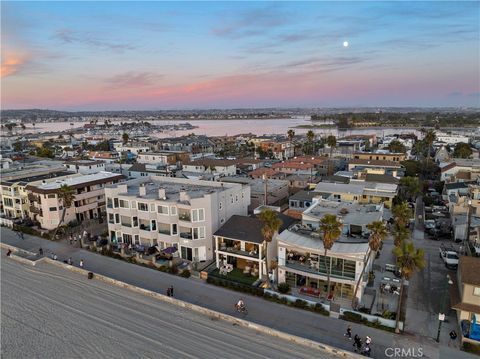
x=186, y=235
x=164, y=231
x=318, y=269
x=34, y=209
x=127, y=224
x=251, y=254
x=32, y=198
x=184, y=217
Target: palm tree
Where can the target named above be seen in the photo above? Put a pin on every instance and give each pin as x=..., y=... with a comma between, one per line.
x=125, y=137
x=401, y=214
x=378, y=232
x=271, y=225
x=310, y=137
x=332, y=143
x=66, y=195
x=411, y=186
x=291, y=135
x=331, y=229
x=429, y=138
x=409, y=261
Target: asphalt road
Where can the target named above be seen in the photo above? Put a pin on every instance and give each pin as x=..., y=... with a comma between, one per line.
x=48, y=312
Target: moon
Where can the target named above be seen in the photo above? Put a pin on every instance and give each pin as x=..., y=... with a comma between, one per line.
x=345, y=44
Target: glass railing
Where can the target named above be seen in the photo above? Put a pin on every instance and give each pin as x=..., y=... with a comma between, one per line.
x=319, y=268
x=184, y=217
x=186, y=235
x=164, y=231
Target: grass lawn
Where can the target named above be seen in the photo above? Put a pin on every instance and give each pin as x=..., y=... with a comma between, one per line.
x=236, y=275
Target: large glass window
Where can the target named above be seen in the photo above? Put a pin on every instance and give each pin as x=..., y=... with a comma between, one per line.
x=123, y=204
x=142, y=206
x=199, y=233
x=198, y=215
x=163, y=209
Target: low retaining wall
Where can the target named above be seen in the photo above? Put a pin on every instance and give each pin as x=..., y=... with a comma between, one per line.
x=373, y=318
x=292, y=299
x=263, y=329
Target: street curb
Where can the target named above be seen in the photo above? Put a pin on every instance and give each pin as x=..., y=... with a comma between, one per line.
x=244, y=323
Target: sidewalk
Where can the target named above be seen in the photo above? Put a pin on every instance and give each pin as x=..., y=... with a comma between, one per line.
x=287, y=319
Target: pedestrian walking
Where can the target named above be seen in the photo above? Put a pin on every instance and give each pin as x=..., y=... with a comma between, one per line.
x=168, y=292
x=21, y=236
x=171, y=290
x=40, y=251
x=453, y=337
x=69, y=261
x=81, y=263
x=367, y=350
x=9, y=252
x=348, y=334
x=368, y=340
x=55, y=257
x=71, y=239
x=357, y=343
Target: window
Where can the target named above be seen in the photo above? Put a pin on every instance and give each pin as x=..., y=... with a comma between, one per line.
x=111, y=218
x=136, y=239
x=123, y=204
x=220, y=205
x=142, y=207
x=236, y=198
x=243, y=194
x=162, y=209
x=198, y=215
x=476, y=291
x=153, y=225
x=115, y=203
x=174, y=229
x=198, y=232
x=117, y=218
x=52, y=209
x=51, y=196
x=173, y=210
x=134, y=221
x=109, y=202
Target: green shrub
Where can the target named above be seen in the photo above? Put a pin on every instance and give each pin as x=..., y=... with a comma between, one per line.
x=163, y=268
x=318, y=308
x=284, y=288
x=353, y=317
x=185, y=273
x=300, y=303
x=471, y=348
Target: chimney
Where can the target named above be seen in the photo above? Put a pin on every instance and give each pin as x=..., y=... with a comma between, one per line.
x=184, y=196
x=161, y=193
x=142, y=190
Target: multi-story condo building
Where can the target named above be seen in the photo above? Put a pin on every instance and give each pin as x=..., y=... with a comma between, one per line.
x=301, y=256
x=14, y=195
x=173, y=212
x=212, y=166
x=89, y=201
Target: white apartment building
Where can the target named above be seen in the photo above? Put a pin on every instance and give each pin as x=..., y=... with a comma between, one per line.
x=85, y=167
x=89, y=201
x=450, y=138
x=173, y=212
x=211, y=166
x=135, y=149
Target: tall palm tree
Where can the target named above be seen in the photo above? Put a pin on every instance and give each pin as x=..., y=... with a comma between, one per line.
x=332, y=143
x=310, y=137
x=409, y=261
x=331, y=229
x=378, y=232
x=429, y=138
x=291, y=135
x=66, y=195
x=271, y=225
x=402, y=214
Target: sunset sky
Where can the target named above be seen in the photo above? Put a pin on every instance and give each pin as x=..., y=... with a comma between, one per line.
x=184, y=55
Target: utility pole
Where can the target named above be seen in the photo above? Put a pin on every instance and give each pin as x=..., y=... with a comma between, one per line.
x=441, y=316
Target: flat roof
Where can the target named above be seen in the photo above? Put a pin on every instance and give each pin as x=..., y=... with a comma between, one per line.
x=172, y=186
x=342, y=246
x=257, y=185
x=348, y=212
x=79, y=180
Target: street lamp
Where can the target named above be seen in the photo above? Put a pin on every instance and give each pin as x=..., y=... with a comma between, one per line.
x=441, y=316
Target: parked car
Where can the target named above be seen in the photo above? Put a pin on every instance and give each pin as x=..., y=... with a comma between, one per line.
x=449, y=256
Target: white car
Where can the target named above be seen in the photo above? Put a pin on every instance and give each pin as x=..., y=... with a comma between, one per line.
x=449, y=256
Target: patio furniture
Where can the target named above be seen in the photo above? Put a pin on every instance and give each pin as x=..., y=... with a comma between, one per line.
x=246, y=270
x=314, y=292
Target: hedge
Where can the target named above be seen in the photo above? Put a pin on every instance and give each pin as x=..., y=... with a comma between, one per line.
x=235, y=286
x=357, y=318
